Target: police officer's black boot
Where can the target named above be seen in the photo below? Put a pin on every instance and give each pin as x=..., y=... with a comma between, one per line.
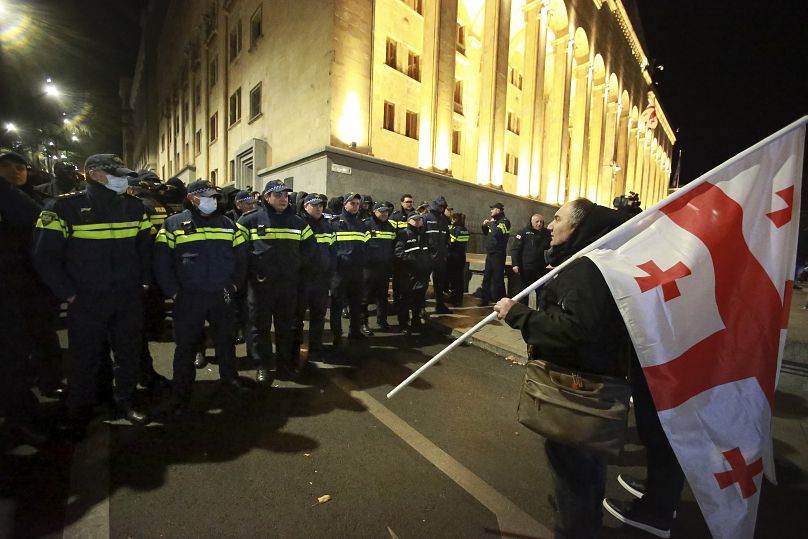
x=131, y=414
x=200, y=361
x=365, y=330
x=264, y=377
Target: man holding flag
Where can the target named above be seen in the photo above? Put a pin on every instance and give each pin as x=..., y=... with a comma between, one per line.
x=577, y=325
x=703, y=283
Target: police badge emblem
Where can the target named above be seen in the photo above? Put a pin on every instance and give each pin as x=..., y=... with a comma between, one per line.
x=47, y=217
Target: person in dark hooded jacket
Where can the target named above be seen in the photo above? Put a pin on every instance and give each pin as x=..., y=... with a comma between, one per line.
x=412, y=252
x=527, y=252
x=577, y=325
x=497, y=230
x=436, y=228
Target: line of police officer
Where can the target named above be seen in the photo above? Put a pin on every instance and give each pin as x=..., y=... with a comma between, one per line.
x=96, y=250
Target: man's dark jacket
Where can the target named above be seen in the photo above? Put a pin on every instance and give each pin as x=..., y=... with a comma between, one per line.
x=577, y=323
x=527, y=251
x=436, y=228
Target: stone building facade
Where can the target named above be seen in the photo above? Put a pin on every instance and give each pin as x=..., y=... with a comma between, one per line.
x=529, y=102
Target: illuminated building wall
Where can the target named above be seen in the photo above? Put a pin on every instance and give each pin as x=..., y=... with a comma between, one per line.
x=539, y=99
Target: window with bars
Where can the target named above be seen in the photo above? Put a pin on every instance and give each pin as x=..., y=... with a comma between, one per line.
x=461, y=39
x=213, y=72
x=513, y=122
x=255, y=101
x=389, y=116
x=456, y=140
x=235, y=107
x=213, y=127
x=256, y=26
x=511, y=163
x=235, y=41
x=411, y=128
x=197, y=95
x=390, y=54
x=458, y=97
x=515, y=77
x=414, y=66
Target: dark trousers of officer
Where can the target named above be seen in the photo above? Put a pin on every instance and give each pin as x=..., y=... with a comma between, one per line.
x=17, y=402
x=377, y=285
x=153, y=322
x=314, y=299
x=346, y=287
x=494, y=277
x=46, y=353
x=664, y=480
x=191, y=309
x=455, y=276
x=96, y=322
x=527, y=277
x=272, y=302
x=579, y=485
x=411, y=300
x=439, y=280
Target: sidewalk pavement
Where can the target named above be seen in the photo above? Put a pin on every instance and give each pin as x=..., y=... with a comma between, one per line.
x=498, y=338
x=790, y=411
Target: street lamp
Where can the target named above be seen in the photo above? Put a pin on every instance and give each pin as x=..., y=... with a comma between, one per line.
x=11, y=127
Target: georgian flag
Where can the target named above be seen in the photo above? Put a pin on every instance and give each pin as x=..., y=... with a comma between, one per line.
x=703, y=282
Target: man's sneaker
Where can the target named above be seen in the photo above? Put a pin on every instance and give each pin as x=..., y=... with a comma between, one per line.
x=627, y=514
x=635, y=487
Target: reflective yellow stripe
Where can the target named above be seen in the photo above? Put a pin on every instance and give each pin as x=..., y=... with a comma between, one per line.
x=110, y=226
x=324, y=237
x=463, y=239
x=352, y=236
x=238, y=238
x=108, y=234
x=54, y=223
x=307, y=233
x=145, y=224
x=166, y=237
x=385, y=235
x=503, y=228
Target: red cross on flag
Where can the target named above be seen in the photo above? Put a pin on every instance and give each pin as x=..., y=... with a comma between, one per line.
x=703, y=282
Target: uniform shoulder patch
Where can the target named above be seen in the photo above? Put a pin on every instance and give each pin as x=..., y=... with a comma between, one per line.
x=518, y=236
x=47, y=217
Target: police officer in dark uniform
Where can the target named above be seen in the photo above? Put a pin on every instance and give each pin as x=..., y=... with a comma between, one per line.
x=200, y=261
x=242, y=203
x=412, y=252
x=497, y=228
x=399, y=218
x=278, y=243
x=350, y=239
x=317, y=272
x=456, y=263
x=527, y=252
x=436, y=228
x=66, y=180
x=145, y=187
x=93, y=249
x=18, y=213
x=379, y=268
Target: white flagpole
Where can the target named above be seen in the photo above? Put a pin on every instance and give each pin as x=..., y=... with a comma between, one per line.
x=596, y=244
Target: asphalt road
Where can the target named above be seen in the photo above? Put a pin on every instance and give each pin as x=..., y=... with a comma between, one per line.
x=444, y=458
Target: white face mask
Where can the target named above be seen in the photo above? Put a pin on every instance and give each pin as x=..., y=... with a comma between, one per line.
x=117, y=184
x=207, y=205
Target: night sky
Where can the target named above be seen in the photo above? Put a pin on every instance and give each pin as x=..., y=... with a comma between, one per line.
x=734, y=72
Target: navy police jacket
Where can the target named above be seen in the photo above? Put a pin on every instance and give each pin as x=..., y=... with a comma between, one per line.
x=322, y=262
x=277, y=244
x=458, y=241
x=382, y=235
x=412, y=252
x=197, y=252
x=350, y=242
x=497, y=234
x=92, y=241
